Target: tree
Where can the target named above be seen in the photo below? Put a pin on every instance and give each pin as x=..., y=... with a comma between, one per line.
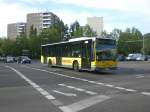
x=7, y=47
x=147, y=43
x=130, y=41
x=33, y=32
x=50, y=35
x=88, y=32
x=76, y=30
x=116, y=34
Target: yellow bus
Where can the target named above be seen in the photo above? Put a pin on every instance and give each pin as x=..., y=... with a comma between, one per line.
x=84, y=53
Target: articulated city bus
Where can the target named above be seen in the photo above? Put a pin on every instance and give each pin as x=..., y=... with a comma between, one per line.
x=84, y=53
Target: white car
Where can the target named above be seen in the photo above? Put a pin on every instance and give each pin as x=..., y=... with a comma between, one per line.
x=10, y=59
x=136, y=57
x=131, y=57
x=141, y=58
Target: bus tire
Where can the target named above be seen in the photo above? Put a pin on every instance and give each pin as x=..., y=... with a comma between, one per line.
x=49, y=63
x=75, y=66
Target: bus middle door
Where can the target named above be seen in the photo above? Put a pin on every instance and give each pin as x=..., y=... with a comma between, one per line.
x=58, y=55
x=86, y=58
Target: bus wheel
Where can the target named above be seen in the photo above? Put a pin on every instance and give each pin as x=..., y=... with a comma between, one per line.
x=76, y=66
x=49, y=63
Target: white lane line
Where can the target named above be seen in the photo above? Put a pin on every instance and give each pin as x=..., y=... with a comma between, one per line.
x=90, y=92
x=61, y=84
x=121, y=88
x=109, y=85
x=33, y=84
x=75, y=107
x=71, y=87
x=78, y=89
x=145, y=93
x=99, y=83
x=131, y=90
x=140, y=76
x=92, y=82
x=65, y=94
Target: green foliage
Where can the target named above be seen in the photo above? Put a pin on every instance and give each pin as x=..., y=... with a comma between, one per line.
x=33, y=32
x=52, y=34
x=115, y=34
x=7, y=47
x=88, y=32
x=130, y=41
x=75, y=30
x=79, y=31
x=147, y=43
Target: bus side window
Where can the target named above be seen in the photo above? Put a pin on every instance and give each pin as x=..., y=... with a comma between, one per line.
x=45, y=51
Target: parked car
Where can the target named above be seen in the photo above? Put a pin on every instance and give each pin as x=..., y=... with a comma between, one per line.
x=9, y=59
x=2, y=58
x=24, y=60
x=142, y=58
x=121, y=58
x=136, y=57
x=148, y=57
x=132, y=57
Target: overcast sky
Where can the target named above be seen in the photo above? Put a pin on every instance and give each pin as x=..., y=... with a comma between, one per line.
x=117, y=13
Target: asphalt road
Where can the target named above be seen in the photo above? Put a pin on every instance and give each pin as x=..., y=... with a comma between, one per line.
x=37, y=88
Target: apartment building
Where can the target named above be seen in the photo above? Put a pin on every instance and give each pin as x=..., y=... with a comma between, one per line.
x=15, y=29
x=96, y=23
x=41, y=21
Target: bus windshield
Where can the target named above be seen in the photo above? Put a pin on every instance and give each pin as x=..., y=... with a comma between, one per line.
x=105, y=49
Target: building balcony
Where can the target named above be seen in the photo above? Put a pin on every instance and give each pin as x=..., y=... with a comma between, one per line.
x=46, y=23
x=46, y=19
x=44, y=27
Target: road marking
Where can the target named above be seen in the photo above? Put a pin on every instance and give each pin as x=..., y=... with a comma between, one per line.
x=99, y=83
x=121, y=88
x=33, y=84
x=89, y=81
x=75, y=107
x=145, y=93
x=90, y=92
x=92, y=82
x=78, y=89
x=140, y=76
x=81, y=90
x=71, y=87
x=109, y=85
x=65, y=94
x=131, y=90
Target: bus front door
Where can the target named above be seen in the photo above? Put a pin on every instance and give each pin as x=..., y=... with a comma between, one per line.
x=86, y=51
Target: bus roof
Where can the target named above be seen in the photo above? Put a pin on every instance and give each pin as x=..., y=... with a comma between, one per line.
x=78, y=39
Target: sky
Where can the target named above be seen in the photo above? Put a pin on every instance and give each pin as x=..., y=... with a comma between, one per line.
x=116, y=13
